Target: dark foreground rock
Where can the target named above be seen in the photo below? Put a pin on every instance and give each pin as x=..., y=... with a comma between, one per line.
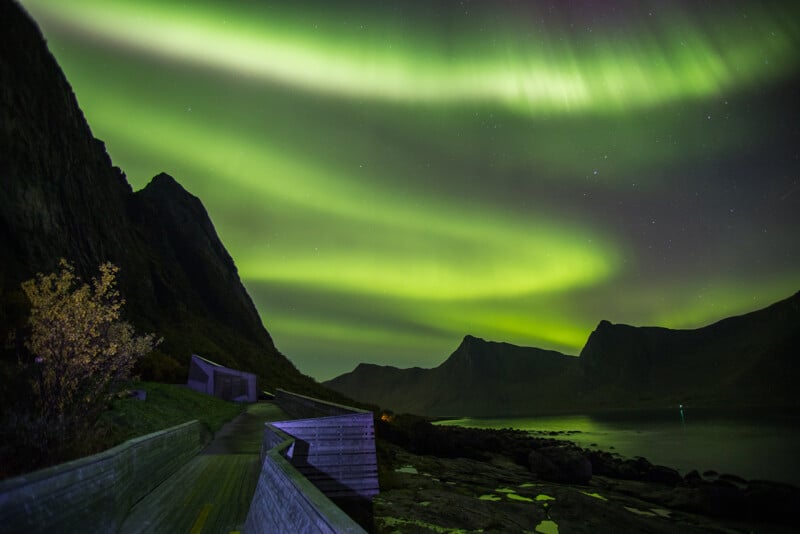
x=429, y=494
x=509, y=481
x=560, y=464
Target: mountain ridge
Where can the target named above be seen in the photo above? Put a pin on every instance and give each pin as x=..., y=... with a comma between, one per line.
x=748, y=359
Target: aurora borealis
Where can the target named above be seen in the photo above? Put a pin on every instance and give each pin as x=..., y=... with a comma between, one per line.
x=390, y=176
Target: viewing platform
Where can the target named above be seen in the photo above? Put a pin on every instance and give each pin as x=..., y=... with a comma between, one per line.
x=213, y=490
x=286, y=465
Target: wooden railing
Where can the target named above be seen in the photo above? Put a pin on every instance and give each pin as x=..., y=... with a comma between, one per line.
x=95, y=493
x=286, y=501
x=334, y=445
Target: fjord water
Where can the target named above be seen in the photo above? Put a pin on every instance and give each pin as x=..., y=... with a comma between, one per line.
x=760, y=444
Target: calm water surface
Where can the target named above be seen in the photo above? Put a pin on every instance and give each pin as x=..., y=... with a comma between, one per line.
x=754, y=445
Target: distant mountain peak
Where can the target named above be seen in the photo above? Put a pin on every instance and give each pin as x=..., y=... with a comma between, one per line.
x=164, y=186
x=165, y=180
x=738, y=361
x=472, y=340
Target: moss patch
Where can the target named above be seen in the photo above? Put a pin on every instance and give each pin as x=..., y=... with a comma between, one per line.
x=595, y=495
x=547, y=527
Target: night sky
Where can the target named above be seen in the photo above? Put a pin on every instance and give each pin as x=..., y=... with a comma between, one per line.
x=390, y=176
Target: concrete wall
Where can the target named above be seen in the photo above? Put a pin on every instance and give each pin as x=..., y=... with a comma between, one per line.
x=205, y=376
x=285, y=501
x=94, y=494
x=302, y=407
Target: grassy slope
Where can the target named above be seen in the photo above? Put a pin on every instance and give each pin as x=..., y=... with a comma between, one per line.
x=166, y=405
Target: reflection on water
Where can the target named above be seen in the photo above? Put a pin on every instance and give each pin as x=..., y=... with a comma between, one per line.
x=754, y=445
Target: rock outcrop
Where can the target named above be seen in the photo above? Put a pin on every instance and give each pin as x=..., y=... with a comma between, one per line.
x=447, y=477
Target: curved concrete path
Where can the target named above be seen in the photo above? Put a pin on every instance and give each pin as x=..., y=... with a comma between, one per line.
x=212, y=492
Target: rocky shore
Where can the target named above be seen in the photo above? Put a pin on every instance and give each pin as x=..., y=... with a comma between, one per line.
x=453, y=479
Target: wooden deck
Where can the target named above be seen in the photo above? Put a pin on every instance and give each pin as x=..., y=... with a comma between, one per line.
x=336, y=453
x=212, y=492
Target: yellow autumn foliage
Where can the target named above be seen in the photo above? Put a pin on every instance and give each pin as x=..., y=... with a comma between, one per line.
x=82, y=349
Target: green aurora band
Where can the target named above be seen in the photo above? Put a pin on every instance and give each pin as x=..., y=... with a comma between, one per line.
x=389, y=176
x=504, y=67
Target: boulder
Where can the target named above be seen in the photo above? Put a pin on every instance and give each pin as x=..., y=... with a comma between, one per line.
x=560, y=464
x=541, y=466
x=734, y=479
x=693, y=478
x=723, y=499
x=664, y=475
x=779, y=502
x=604, y=464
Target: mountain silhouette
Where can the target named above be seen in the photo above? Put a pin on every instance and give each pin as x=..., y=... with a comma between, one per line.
x=479, y=378
x=61, y=197
x=748, y=360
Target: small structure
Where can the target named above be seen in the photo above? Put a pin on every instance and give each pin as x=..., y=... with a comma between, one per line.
x=212, y=378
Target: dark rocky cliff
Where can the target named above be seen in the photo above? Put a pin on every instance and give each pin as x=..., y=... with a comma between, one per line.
x=749, y=360
x=62, y=197
x=480, y=378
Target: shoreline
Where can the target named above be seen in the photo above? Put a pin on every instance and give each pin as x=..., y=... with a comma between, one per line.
x=757, y=444
x=494, y=479
x=705, y=409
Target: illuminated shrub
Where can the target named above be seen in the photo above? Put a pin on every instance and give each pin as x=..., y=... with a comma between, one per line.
x=80, y=351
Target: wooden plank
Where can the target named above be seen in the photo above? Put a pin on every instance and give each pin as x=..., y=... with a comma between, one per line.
x=317, y=425
x=330, y=463
x=361, y=480
x=316, y=446
x=325, y=431
x=326, y=486
x=330, y=430
x=224, y=483
x=331, y=440
x=355, y=484
x=331, y=420
x=335, y=471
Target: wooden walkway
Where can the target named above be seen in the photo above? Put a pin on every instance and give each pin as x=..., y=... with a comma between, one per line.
x=212, y=492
